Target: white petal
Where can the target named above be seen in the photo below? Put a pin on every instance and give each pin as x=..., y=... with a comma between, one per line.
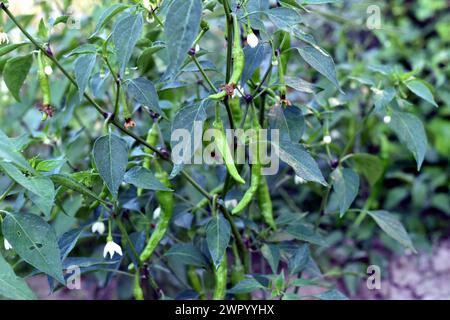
x=387, y=119
x=327, y=139
x=98, y=227
x=299, y=180
x=156, y=213
x=230, y=204
x=7, y=244
x=111, y=247
x=274, y=62
x=197, y=48
x=252, y=40
x=48, y=70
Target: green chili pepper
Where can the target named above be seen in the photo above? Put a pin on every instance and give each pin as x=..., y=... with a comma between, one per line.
x=250, y=193
x=166, y=203
x=224, y=149
x=236, y=110
x=218, y=96
x=221, y=280
x=195, y=282
x=256, y=171
x=238, y=54
x=265, y=203
x=204, y=202
x=43, y=79
x=238, y=274
x=152, y=139
x=238, y=64
x=137, y=290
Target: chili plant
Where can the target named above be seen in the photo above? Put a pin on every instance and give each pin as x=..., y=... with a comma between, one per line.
x=141, y=142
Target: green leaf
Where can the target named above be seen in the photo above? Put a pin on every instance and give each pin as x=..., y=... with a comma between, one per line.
x=180, y=29
x=331, y=295
x=35, y=241
x=411, y=133
x=218, y=234
x=284, y=18
x=346, y=187
x=189, y=121
x=289, y=121
x=11, y=286
x=368, y=165
x=107, y=15
x=299, y=84
x=420, y=89
x=72, y=184
x=187, y=254
x=41, y=187
x=11, y=47
x=125, y=35
x=321, y=61
x=43, y=33
x=8, y=152
x=144, y=92
x=272, y=254
x=143, y=178
x=84, y=65
x=306, y=233
x=393, y=227
x=246, y=286
x=383, y=98
x=15, y=72
x=299, y=260
x=303, y=164
x=111, y=158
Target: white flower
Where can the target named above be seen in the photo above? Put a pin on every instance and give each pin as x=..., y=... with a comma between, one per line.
x=274, y=62
x=156, y=213
x=111, y=247
x=197, y=48
x=147, y=5
x=237, y=91
x=98, y=227
x=231, y=204
x=48, y=70
x=335, y=134
x=387, y=119
x=327, y=139
x=4, y=38
x=252, y=40
x=8, y=245
x=299, y=180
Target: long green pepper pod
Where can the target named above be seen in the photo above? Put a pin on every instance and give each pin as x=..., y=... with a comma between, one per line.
x=166, y=203
x=238, y=64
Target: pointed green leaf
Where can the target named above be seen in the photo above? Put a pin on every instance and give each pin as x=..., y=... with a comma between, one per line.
x=42, y=188
x=218, y=234
x=346, y=187
x=301, y=161
x=393, y=227
x=420, y=89
x=181, y=27
x=83, y=70
x=111, y=158
x=125, y=35
x=15, y=72
x=144, y=178
x=320, y=60
x=411, y=133
x=11, y=286
x=144, y=92
x=35, y=241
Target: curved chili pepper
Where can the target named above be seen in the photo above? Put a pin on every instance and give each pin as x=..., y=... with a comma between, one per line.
x=224, y=149
x=238, y=64
x=166, y=203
